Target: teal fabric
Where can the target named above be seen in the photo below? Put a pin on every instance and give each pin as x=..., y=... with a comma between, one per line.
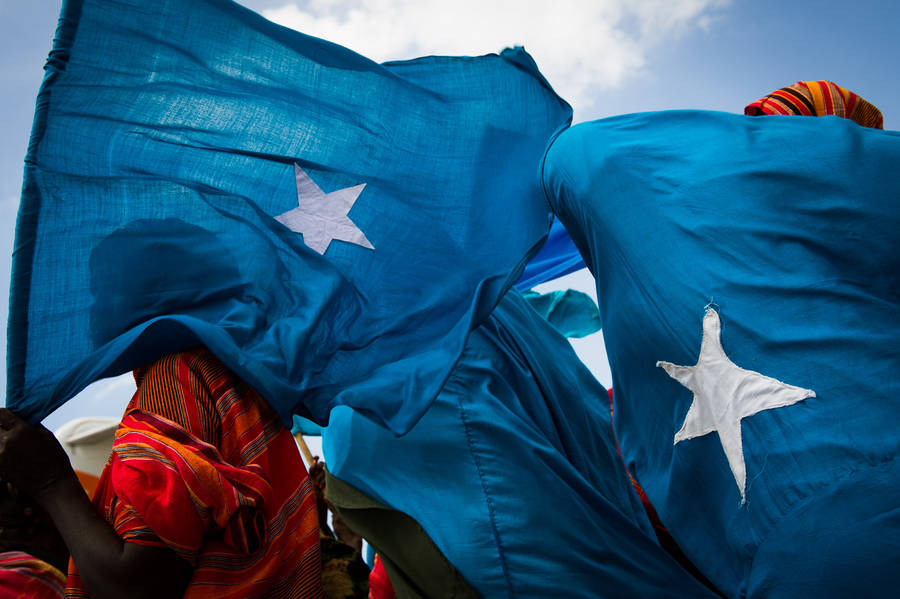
x=303, y=426
x=164, y=146
x=788, y=227
x=513, y=472
x=572, y=313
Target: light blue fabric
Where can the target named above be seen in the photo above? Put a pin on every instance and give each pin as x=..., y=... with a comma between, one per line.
x=305, y=427
x=514, y=474
x=572, y=313
x=790, y=227
x=164, y=146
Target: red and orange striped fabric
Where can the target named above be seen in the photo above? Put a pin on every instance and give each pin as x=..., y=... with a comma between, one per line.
x=203, y=466
x=817, y=98
x=23, y=575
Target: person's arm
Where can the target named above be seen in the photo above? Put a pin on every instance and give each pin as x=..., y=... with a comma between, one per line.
x=32, y=459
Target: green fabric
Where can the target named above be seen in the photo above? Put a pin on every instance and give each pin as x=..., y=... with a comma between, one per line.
x=416, y=567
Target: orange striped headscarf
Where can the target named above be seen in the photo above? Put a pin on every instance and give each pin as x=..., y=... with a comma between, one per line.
x=818, y=98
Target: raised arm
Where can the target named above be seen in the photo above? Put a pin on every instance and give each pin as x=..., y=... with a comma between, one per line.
x=32, y=459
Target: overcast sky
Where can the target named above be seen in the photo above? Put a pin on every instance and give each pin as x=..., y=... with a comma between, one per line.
x=605, y=57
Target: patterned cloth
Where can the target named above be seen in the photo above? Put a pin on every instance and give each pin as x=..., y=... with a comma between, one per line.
x=193, y=469
x=817, y=98
x=23, y=575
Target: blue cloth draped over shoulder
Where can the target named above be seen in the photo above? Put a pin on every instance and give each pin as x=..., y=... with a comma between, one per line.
x=197, y=174
x=514, y=473
x=787, y=228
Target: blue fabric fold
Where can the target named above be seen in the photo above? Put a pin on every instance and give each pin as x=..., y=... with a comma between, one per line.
x=787, y=228
x=168, y=139
x=513, y=472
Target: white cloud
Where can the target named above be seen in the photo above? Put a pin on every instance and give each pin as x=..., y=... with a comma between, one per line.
x=580, y=45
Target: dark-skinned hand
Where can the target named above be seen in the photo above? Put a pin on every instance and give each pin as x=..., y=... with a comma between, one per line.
x=317, y=477
x=30, y=456
x=343, y=532
x=25, y=526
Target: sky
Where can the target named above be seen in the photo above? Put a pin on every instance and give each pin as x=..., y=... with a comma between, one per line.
x=605, y=57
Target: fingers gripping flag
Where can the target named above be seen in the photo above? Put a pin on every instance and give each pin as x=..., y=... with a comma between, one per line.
x=331, y=228
x=749, y=286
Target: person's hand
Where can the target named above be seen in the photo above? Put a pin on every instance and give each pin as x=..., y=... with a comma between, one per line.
x=15, y=516
x=345, y=534
x=30, y=456
x=317, y=476
x=25, y=526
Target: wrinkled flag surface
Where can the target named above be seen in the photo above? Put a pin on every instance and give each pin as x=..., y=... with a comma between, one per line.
x=748, y=277
x=514, y=474
x=331, y=228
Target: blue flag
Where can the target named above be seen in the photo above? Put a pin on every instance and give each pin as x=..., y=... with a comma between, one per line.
x=329, y=227
x=513, y=472
x=748, y=277
x=557, y=257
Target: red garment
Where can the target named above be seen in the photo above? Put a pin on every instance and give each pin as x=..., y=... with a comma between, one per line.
x=23, y=575
x=203, y=466
x=380, y=586
x=665, y=538
x=648, y=507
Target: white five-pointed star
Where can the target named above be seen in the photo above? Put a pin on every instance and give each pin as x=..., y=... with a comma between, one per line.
x=724, y=394
x=322, y=217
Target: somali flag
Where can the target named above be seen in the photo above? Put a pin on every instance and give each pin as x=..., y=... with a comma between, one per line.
x=748, y=277
x=329, y=227
x=513, y=473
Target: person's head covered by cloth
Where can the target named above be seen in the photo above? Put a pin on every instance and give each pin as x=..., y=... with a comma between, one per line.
x=127, y=291
x=817, y=98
